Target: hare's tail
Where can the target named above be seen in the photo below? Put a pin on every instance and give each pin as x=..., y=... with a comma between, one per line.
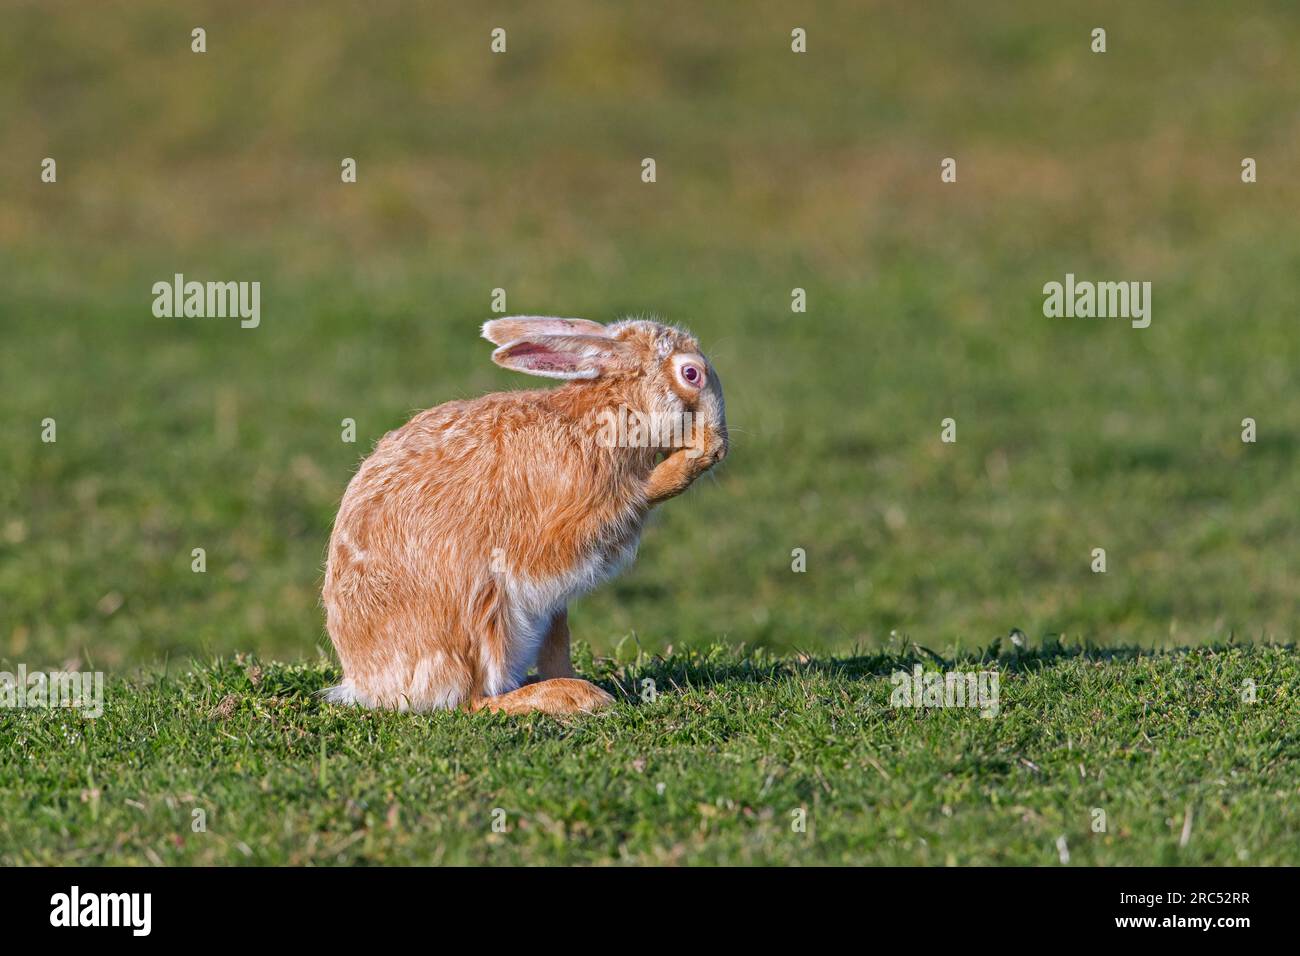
x=344, y=693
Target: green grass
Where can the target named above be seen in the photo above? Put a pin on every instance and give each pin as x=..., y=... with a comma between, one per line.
x=776, y=171
x=522, y=172
x=710, y=771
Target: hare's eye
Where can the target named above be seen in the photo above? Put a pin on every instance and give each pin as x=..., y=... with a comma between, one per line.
x=692, y=375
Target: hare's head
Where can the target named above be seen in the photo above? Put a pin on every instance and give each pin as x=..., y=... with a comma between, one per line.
x=656, y=370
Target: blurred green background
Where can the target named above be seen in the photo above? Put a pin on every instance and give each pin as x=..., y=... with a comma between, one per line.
x=775, y=171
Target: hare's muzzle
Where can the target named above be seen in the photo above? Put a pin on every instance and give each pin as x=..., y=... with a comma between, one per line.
x=712, y=412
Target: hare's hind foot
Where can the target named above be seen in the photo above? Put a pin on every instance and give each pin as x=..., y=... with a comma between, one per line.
x=560, y=695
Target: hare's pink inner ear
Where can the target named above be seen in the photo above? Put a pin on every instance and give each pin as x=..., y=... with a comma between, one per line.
x=516, y=327
x=562, y=356
x=537, y=359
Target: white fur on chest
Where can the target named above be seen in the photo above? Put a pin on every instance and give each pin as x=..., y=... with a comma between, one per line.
x=533, y=604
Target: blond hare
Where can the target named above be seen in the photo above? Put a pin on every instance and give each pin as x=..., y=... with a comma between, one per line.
x=462, y=538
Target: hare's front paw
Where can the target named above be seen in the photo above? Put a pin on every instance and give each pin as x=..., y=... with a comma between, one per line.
x=675, y=473
x=709, y=449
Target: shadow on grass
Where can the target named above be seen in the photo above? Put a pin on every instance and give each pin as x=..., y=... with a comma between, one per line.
x=689, y=669
x=692, y=669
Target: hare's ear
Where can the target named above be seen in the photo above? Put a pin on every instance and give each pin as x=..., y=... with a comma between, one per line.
x=516, y=327
x=564, y=356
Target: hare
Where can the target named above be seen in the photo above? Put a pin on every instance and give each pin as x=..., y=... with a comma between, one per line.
x=462, y=538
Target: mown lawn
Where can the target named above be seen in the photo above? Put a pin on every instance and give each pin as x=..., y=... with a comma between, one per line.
x=714, y=769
